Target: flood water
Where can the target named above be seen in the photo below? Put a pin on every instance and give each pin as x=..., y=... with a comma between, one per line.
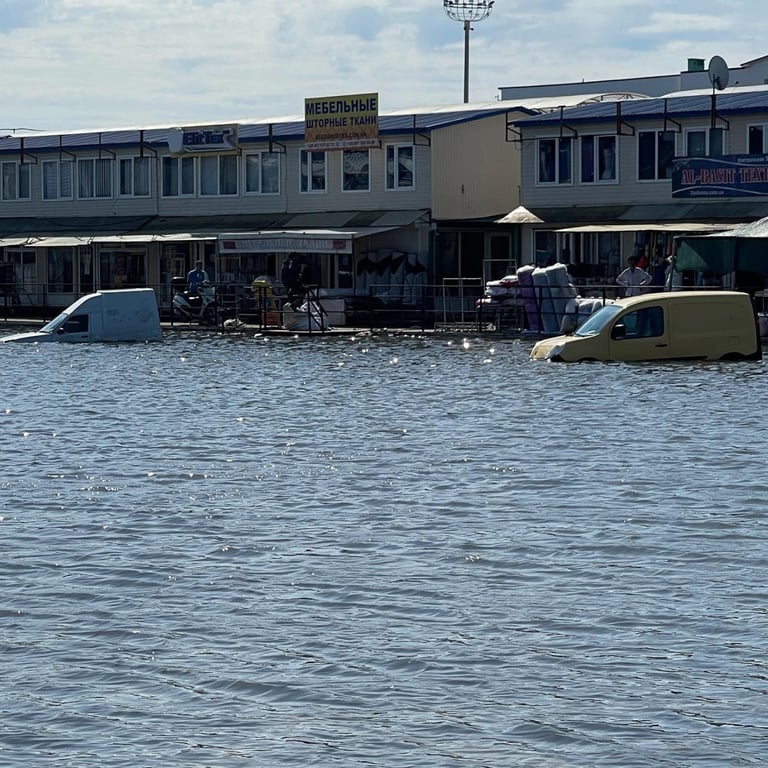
x=379, y=551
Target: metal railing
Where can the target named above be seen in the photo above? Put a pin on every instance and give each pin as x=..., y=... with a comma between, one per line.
x=453, y=305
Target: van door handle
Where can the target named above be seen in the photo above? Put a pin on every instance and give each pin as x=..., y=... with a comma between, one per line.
x=661, y=345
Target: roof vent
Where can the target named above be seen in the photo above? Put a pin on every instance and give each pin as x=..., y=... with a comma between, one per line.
x=695, y=65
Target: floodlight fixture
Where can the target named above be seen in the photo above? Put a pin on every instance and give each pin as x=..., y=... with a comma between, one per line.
x=467, y=12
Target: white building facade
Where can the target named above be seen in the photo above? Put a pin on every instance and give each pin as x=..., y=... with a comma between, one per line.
x=693, y=77
x=605, y=181
x=89, y=210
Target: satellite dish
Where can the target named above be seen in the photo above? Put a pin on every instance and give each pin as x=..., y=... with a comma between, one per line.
x=718, y=72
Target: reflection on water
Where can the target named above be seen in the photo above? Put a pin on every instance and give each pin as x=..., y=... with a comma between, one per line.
x=379, y=551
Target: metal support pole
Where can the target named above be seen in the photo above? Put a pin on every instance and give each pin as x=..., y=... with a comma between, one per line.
x=467, y=11
x=466, y=61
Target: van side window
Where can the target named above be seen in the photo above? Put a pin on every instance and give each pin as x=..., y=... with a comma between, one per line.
x=76, y=324
x=645, y=323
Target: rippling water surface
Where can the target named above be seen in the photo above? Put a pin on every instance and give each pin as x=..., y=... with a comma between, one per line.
x=379, y=552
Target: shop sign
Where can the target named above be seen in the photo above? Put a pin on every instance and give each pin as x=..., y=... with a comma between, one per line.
x=285, y=244
x=342, y=122
x=723, y=176
x=215, y=138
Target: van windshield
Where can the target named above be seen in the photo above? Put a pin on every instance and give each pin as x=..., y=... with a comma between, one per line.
x=51, y=326
x=595, y=323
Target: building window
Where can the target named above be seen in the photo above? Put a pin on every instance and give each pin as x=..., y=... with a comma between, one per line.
x=655, y=153
x=122, y=268
x=598, y=159
x=555, y=161
x=400, y=170
x=178, y=176
x=134, y=176
x=356, y=173
x=87, y=271
x=21, y=271
x=262, y=173
x=313, y=171
x=57, y=179
x=94, y=178
x=757, y=139
x=218, y=175
x=705, y=142
x=14, y=180
x=61, y=270
x=544, y=247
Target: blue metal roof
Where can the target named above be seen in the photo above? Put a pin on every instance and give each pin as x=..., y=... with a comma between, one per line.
x=694, y=105
x=421, y=122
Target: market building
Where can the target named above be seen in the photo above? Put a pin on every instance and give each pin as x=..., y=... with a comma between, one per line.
x=411, y=205
x=422, y=207
x=607, y=180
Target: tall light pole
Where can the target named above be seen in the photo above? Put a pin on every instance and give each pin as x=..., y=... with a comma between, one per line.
x=467, y=11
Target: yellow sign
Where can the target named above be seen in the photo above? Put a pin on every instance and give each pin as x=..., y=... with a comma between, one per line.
x=342, y=122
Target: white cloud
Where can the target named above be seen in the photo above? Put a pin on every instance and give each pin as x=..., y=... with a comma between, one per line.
x=686, y=23
x=102, y=63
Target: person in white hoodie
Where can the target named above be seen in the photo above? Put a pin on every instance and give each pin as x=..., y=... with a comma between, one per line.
x=633, y=278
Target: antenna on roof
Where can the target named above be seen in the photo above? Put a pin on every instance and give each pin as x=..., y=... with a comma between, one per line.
x=718, y=76
x=718, y=73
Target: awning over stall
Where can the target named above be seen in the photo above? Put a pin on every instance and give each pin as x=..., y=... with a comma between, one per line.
x=639, y=216
x=757, y=228
x=53, y=232
x=179, y=237
x=174, y=237
x=57, y=242
x=738, y=249
x=520, y=215
x=71, y=241
x=671, y=226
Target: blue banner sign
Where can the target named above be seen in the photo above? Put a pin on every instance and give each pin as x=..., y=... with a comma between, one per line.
x=724, y=176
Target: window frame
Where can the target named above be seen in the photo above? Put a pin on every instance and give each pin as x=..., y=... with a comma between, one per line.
x=655, y=163
x=225, y=176
x=19, y=185
x=707, y=131
x=60, y=268
x=130, y=177
x=392, y=177
x=95, y=178
x=60, y=181
x=306, y=172
x=345, y=153
x=560, y=145
x=597, y=159
x=261, y=174
x=763, y=127
x=181, y=174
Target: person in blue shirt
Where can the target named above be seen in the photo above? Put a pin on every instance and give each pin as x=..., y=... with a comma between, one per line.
x=196, y=277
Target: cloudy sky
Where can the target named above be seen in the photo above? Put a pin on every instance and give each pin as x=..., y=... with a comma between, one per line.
x=69, y=64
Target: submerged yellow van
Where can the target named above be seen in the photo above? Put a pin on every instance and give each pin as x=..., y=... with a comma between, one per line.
x=687, y=325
